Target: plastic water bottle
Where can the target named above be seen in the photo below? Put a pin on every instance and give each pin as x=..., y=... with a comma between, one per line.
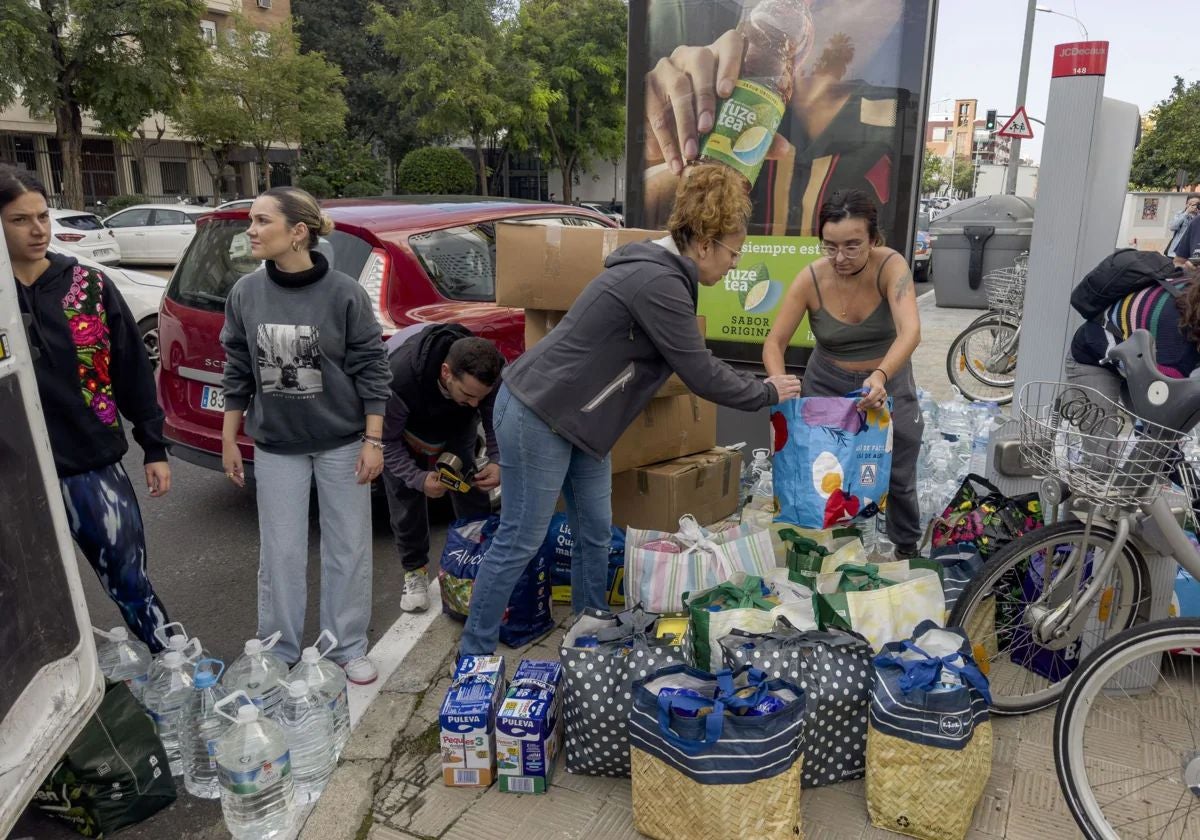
x=125, y=659
x=929, y=408
x=329, y=681
x=189, y=648
x=200, y=727
x=954, y=420
x=258, y=672
x=164, y=700
x=307, y=725
x=254, y=768
x=883, y=545
x=760, y=463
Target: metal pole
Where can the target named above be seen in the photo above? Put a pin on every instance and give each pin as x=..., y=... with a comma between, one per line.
x=1014, y=159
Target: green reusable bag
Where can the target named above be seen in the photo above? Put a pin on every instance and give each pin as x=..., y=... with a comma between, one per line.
x=114, y=774
x=805, y=553
x=746, y=594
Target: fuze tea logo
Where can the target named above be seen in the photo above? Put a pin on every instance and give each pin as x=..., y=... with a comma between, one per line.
x=743, y=305
x=745, y=127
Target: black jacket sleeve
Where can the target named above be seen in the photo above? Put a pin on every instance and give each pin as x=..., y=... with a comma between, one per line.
x=665, y=311
x=133, y=377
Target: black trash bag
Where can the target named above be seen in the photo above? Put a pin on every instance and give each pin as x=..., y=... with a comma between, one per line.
x=114, y=774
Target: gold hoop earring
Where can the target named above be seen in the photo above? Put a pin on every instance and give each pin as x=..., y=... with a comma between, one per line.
x=295, y=246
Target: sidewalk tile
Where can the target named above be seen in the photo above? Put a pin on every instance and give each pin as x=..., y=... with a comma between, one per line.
x=382, y=832
x=435, y=809
x=599, y=787
x=478, y=824
x=833, y=810
x=991, y=814
x=383, y=722
x=612, y=822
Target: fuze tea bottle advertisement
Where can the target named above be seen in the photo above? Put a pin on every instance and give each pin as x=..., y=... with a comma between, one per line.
x=804, y=98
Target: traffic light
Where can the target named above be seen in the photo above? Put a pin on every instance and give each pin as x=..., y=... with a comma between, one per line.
x=991, y=120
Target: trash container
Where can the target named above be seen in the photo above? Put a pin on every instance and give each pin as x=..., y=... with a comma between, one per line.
x=970, y=239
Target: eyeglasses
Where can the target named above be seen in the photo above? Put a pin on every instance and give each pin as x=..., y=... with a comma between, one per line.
x=736, y=253
x=848, y=251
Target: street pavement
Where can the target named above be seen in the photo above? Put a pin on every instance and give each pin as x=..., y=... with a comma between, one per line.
x=203, y=555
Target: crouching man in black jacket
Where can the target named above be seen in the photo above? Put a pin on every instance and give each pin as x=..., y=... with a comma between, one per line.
x=443, y=383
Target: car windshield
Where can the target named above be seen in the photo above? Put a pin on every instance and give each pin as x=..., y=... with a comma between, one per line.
x=85, y=221
x=220, y=255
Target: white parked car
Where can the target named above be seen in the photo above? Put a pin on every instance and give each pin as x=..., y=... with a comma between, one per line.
x=155, y=233
x=84, y=235
x=236, y=204
x=142, y=292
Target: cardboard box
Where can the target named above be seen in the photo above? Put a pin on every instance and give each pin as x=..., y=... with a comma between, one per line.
x=547, y=266
x=529, y=727
x=468, y=722
x=706, y=485
x=670, y=427
x=539, y=322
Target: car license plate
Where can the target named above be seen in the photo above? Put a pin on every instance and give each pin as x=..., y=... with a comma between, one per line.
x=103, y=252
x=212, y=399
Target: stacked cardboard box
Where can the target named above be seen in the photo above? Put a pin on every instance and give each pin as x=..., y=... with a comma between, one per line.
x=468, y=722
x=705, y=485
x=542, y=269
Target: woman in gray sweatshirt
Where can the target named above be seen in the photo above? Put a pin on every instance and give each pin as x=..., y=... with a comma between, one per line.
x=306, y=365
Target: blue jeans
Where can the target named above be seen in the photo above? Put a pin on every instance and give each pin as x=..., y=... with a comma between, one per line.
x=535, y=466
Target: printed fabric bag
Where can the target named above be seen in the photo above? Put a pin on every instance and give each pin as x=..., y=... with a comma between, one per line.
x=114, y=774
x=990, y=520
x=832, y=459
x=960, y=564
x=602, y=654
x=746, y=602
x=833, y=668
x=929, y=740
x=882, y=609
x=716, y=757
x=528, y=614
x=808, y=548
x=661, y=567
x=558, y=548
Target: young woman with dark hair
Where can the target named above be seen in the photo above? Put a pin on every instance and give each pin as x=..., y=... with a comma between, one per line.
x=861, y=306
x=91, y=370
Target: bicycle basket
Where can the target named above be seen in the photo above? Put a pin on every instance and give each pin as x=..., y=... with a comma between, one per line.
x=1097, y=447
x=1005, y=288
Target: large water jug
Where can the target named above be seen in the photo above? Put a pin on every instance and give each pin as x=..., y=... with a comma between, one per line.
x=189, y=647
x=200, y=727
x=329, y=681
x=307, y=724
x=254, y=768
x=125, y=659
x=258, y=672
x=164, y=700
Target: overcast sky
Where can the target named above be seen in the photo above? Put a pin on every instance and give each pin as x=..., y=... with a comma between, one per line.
x=978, y=51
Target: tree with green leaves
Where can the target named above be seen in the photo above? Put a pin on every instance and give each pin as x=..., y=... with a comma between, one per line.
x=117, y=60
x=343, y=162
x=964, y=177
x=338, y=30
x=576, y=103
x=435, y=170
x=456, y=81
x=932, y=173
x=261, y=91
x=1173, y=142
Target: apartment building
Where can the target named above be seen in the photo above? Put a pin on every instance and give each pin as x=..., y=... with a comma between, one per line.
x=157, y=163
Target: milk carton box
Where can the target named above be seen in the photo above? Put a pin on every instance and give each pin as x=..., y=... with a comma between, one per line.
x=529, y=727
x=468, y=722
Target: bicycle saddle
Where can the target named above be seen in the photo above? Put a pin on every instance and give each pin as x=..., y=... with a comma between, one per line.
x=1173, y=403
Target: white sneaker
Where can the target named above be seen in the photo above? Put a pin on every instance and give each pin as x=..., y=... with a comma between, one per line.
x=361, y=671
x=416, y=592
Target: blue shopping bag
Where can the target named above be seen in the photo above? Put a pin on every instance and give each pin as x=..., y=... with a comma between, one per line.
x=832, y=459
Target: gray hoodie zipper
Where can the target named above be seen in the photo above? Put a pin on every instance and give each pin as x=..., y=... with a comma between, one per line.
x=618, y=384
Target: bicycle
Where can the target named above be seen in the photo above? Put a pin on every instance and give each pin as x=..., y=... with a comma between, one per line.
x=1054, y=595
x=982, y=361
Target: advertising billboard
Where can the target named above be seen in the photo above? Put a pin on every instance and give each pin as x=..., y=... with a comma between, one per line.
x=804, y=97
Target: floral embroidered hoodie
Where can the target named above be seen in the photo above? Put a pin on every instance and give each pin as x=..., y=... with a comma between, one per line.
x=91, y=368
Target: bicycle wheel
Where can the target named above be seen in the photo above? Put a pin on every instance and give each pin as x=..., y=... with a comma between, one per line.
x=994, y=610
x=1126, y=735
x=982, y=361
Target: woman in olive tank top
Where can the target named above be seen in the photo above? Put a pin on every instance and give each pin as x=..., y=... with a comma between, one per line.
x=862, y=308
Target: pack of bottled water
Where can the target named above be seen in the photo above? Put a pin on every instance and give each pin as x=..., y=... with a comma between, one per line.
x=955, y=444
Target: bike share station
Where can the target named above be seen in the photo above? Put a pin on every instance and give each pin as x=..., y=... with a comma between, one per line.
x=1086, y=158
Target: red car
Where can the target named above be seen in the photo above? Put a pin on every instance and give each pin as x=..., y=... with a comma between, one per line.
x=424, y=259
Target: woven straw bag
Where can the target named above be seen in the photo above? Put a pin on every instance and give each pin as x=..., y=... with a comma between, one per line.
x=702, y=770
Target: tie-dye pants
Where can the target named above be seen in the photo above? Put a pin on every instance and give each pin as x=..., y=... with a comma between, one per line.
x=106, y=523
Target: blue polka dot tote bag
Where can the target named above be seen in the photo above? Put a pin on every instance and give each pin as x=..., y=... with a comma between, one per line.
x=833, y=667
